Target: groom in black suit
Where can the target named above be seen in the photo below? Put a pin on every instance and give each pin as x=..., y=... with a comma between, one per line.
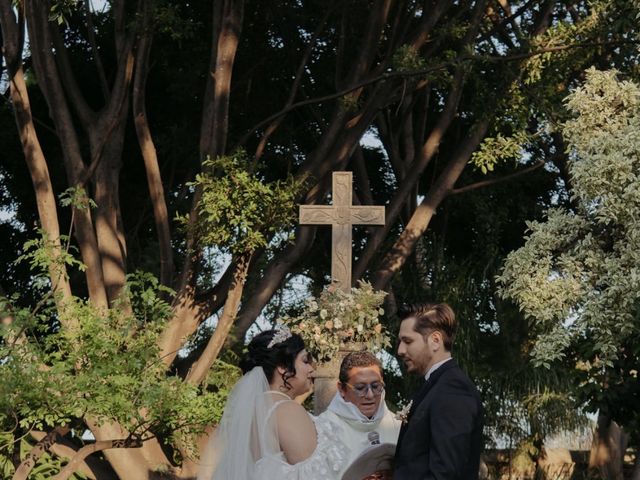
x=442, y=435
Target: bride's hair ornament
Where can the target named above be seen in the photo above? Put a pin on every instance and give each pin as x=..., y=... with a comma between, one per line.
x=282, y=334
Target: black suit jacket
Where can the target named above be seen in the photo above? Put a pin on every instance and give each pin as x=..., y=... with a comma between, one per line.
x=443, y=436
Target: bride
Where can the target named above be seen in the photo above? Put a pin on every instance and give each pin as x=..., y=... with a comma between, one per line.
x=264, y=432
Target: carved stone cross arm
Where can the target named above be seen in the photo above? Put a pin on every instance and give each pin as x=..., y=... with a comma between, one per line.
x=341, y=216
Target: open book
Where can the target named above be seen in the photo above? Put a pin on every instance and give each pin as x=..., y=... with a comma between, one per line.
x=376, y=458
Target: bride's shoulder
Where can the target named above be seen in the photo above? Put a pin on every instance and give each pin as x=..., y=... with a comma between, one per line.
x=291, y=411
x=294, y=421
x=296, y=432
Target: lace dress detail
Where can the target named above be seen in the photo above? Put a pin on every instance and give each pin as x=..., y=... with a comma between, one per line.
x=325, y=463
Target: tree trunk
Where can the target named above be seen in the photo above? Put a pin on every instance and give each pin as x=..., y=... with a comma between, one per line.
x=201, y=367
x=34, y=157
x=215, y=122
x=607, y=449
x=227, y=25
x=635, y=474
x=108, y=224
x=143, y=463
x=49, y=81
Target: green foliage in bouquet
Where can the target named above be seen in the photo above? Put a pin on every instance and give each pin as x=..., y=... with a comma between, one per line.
x=337, y=319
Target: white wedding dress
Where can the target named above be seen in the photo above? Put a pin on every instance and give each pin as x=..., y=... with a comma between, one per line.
x=246, y=446
x=326, y=461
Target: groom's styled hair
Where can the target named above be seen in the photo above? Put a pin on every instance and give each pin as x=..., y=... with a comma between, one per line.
x=432, y=316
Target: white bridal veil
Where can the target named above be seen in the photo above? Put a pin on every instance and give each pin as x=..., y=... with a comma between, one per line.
x=245, y=433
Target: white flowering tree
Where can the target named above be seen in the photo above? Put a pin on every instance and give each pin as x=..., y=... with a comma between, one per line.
x=577, y=278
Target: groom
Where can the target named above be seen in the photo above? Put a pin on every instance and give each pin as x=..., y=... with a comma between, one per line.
x=442, y=434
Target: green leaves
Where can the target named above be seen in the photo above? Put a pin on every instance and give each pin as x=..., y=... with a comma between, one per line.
x=61, y=10
x=577, y=278
x=76, y=197
x=495, y=150
x=45, y=468
x=148, y=297
x=107, y=369
x=407, y=59
x=578, y=273
x=42, y=253
x=238, y=212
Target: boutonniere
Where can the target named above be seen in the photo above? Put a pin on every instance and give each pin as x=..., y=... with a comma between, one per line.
x=403, y=414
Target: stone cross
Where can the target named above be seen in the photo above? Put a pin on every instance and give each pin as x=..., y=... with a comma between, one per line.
x=341, y=215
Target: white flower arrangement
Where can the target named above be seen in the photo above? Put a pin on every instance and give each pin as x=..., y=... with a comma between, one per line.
x=336, y=319
x=403, y=414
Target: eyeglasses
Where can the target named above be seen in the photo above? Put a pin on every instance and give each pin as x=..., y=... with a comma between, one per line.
x=361, y=389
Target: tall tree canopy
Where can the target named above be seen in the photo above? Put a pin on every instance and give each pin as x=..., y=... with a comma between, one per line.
x=576, y=277
x=229, y=113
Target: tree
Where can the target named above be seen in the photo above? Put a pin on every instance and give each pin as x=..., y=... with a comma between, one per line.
x=576, y=276
x=295, y=87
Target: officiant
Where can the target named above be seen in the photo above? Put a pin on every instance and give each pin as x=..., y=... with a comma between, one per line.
x=358, y=408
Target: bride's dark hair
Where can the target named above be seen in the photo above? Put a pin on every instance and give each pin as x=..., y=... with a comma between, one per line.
x=281, y=354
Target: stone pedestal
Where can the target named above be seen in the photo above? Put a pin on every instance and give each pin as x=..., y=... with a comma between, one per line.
x=325, y=384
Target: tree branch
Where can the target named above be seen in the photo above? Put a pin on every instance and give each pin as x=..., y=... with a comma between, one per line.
x=272, y=279
x=227, y=23
x=511, y=18
x=102, y=77
x=87, y=116
x=418, y=73
x=34, y=156
x=558, y=48
x=190, y=310
x=428, y=22
x=341, y=93
x=295, y=85
x=495, y=181
x=215, y=118
x=135, y=463
x=362, y=177
x=23, y=470
x=407, y=185
x=87, y=450
x=419, y=222
x=376, y=22
x=201, y=367
x=118, y=7
x=92, y=468
x=148, y=149
x=124, y=74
